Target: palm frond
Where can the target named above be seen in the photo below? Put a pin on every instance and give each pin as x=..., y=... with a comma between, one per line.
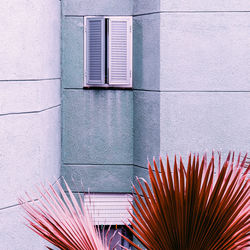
x=193, y=208
x=62, y=221
x=247, y=162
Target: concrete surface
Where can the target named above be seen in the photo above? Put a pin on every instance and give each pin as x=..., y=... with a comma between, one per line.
x=98, y=127
x=95, y=7
x=30, y=137
x=30, y=39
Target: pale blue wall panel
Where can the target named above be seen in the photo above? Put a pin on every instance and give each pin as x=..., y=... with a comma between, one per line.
x=30, y=152
x=201, y=5
x=30, y=125
x=204, y=51
x=72, y=52
x=146, y=55
x=146, y=126
x=149, y=6
x=198, y=122
x=99, y=178
x=146, y=6
x=14, y=232
x=97, y=7
x=98, y=126
x=30, y=39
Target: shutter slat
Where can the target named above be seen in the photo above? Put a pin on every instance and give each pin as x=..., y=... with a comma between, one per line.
x=95, y=50
x=120, y=49
x=108, y=209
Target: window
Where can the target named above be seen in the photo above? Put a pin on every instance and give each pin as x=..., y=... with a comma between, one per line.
x=117, y=239
x=108, y=51
x=111, y=209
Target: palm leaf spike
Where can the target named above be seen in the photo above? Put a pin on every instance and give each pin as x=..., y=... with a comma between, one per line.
x=193, y=208
x=62, y=222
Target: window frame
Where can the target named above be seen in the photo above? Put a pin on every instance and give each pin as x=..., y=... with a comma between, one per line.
x=130, y=53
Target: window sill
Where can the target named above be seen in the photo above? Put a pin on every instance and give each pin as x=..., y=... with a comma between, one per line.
x=107, y=87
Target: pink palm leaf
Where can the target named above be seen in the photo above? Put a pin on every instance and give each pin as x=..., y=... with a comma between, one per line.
x=62, y=221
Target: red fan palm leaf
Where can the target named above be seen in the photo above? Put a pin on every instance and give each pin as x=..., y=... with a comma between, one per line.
x=193, y=208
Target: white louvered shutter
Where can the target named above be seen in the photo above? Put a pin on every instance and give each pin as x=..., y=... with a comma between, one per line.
x=109, y=209
x=120, y=50
x=95, y=50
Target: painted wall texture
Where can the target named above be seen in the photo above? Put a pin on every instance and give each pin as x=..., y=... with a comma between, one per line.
x=190, y=89
x=97, y=124
x=191, y=92
x=30, y=143
x=192, y=66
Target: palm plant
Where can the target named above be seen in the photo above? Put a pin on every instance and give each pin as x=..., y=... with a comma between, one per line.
x=247, y=161
x=193, y=208
x=62, y=222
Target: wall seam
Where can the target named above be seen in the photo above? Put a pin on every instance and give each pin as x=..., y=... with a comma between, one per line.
x=190, y=12
x=193, y=91
x=18, y=205
x=96, y=164
x=174, y=12
x=30, y=112
x=30, y=80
